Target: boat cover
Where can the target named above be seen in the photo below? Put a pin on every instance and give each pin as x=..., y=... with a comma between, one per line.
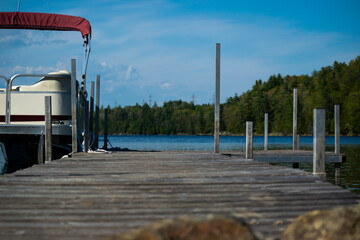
x=44, y=21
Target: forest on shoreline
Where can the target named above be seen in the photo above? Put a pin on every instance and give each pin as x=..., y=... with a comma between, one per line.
x=336, y=84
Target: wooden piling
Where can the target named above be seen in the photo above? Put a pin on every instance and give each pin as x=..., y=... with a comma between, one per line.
x=217, y=102
x=48, y=130
x=337, y=167
x=105, y=129
x=249, y=140
x=97, y=104
x=40, y=155
x=91, y=118
x=295, y=119
x=298, y=142
x=337, y=128
x=74, y=106
x=86, y=127
x=266, y=131
x=319, y=143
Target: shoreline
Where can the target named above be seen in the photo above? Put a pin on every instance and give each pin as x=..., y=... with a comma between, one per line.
x=225, y=134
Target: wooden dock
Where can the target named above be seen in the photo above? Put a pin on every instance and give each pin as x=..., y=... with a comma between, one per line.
x=288, y=156
x=90, y=196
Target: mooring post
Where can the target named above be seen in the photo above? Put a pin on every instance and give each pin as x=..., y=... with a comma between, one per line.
x=319, y=143
x=337, y=141
x=337, y=167
x=97, y=104
x=91, y=118
x=41, y=149
x=298, y=142
x=337, y=128
x=266, y=131
x=217, y=101
x=295, y=120
x=105, y=129
x=249, y=140
x=74, y=106
x=86, y=126
x=297, y=165
x=48, y=130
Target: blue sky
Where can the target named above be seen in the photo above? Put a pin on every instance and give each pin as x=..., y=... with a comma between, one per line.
x=167, y=48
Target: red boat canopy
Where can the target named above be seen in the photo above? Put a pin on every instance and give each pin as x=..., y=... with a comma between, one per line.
x=44, y=21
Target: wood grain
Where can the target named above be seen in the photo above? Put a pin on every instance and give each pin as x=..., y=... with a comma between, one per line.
x=89, y=196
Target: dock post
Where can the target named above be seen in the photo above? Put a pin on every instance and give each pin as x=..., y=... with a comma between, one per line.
x=48, y=130
x=298, y=142
x=297, y=165
x=74, y=106
x=319, y=143
x=295, y=120
x=86, y=126
x=266, y=131
x=91, y=118
x=40, y=155
x=105, y=129
x=337, y=167
x=97, y=104
x=337, y=128
x=249, y=140
x=217, y=101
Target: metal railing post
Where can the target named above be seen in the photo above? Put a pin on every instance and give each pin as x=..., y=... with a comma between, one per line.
x=7, y=101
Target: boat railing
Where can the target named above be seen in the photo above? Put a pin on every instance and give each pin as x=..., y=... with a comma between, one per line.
x=79, y=110
x=8, y=90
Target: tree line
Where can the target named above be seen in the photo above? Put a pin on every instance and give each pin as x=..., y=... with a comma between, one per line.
x=336, y=84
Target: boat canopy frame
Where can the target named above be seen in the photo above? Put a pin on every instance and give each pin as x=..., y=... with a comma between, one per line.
x=53, y=22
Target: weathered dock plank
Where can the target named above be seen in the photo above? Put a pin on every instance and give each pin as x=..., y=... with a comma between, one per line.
x=90, y=196
x=288, y=156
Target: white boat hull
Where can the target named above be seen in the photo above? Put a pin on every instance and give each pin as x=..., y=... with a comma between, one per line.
x=28, y=101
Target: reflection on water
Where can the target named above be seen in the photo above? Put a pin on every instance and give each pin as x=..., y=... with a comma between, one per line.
x=350, y=171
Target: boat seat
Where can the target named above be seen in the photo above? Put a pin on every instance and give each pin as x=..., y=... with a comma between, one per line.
x=48, y=84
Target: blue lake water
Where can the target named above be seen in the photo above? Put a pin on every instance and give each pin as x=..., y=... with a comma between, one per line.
x=206, y=143
x=350, y=171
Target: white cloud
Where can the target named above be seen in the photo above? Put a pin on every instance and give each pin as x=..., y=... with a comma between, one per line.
x=129, y=72
x=165, y=85
x=28, y=70
x=144, y=47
